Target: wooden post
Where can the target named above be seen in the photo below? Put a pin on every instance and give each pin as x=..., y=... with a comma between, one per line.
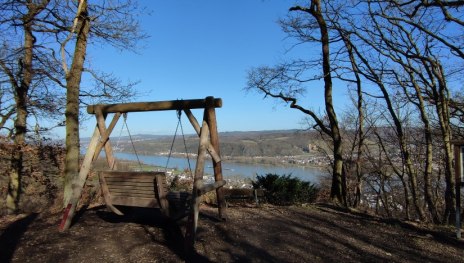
x=458, y=166
x=193, y=121
x=100, y=139
x=197, y=128
x=105, y=134
x=192, y=221
x=210, y=113
x=105, y=138
x=79, y=182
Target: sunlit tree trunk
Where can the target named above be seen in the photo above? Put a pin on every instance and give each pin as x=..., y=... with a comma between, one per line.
x=73, y=80
x=338, y=188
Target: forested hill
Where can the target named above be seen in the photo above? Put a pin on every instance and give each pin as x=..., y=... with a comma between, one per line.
x=249, y=143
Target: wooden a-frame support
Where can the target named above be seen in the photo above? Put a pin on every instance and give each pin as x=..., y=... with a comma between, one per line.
x=459, y=183
x=209, y=141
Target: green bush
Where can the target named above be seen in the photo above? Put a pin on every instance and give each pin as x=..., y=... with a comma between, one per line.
x=285, y=190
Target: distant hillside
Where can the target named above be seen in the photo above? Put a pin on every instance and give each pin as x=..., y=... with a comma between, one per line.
x=240, y=143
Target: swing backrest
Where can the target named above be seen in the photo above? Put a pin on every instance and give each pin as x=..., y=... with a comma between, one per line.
x=139, y=189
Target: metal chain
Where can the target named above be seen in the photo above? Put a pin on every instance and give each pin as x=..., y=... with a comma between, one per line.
x=172, y=143
x=185, y=145
x=132, y=142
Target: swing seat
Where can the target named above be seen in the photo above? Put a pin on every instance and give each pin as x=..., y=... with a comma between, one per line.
x=147, y=189
x=136, y=189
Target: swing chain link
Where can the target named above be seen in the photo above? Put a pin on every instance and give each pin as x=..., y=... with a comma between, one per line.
x=179, y=123
x=132, y=141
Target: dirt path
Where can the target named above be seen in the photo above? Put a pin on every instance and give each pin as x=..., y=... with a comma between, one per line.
x=266, y=234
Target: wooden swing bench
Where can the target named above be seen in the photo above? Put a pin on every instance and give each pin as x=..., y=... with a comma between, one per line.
x=147, y=190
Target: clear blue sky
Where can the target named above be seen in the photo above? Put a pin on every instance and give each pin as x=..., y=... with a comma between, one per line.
x=205, y=48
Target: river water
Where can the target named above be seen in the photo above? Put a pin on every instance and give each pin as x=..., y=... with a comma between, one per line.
x=229, y=169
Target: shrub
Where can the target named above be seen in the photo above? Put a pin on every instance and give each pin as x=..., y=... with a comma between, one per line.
x=285, y=190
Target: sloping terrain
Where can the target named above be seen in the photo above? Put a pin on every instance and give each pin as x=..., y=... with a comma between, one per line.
x=316, y=233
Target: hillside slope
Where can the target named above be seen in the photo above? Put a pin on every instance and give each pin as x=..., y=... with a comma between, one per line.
x=252, y=143
x=316, y=233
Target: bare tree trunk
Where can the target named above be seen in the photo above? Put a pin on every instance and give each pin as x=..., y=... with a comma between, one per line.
x=359, y=106
x=400, y=174
x=384, y=195
x=20, y=123
x=442, y=108
x=405, y=154
x=428, y=196
x=338, y=189
x=73, y=80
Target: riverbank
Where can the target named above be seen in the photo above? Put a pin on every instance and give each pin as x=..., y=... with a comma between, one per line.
x=308, y=160
x=232, y=168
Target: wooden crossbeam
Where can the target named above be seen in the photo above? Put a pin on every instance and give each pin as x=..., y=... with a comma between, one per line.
x=153, y=106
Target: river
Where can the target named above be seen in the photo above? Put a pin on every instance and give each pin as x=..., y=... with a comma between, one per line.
x=229, y=169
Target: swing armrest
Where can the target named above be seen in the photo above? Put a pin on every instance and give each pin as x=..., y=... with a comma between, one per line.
x=210, y=187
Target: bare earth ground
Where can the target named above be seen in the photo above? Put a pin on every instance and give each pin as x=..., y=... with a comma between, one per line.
x=316, y=233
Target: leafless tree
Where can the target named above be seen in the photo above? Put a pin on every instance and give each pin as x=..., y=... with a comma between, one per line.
x=57, y=32
x=428, y=46
x=406, y=58
x=286, y=82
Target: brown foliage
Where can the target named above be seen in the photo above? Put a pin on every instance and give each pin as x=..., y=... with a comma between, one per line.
x=42, y=178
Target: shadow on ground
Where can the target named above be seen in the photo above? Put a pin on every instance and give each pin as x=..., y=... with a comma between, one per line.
x=10, y=237
x=266, y=234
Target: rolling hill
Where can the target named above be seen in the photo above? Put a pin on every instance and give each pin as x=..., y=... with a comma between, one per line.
x=235, y=144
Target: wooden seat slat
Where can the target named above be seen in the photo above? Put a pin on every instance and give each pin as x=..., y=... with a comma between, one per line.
x=128, y=174
x=135, y=201
x=128, y=187
x=132, y=193
x=131, y=188
x=130, y=179
x=131, y=183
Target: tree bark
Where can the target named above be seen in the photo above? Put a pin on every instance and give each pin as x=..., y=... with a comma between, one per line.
x=21, y=98
x=442, y=107
x=428, y=196
x=73, y=80
x=338, y=188
x=359, y=106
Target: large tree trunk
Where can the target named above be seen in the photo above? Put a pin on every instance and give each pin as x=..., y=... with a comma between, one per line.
x=73, y=80
x=20, y=123
x=338, y=189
